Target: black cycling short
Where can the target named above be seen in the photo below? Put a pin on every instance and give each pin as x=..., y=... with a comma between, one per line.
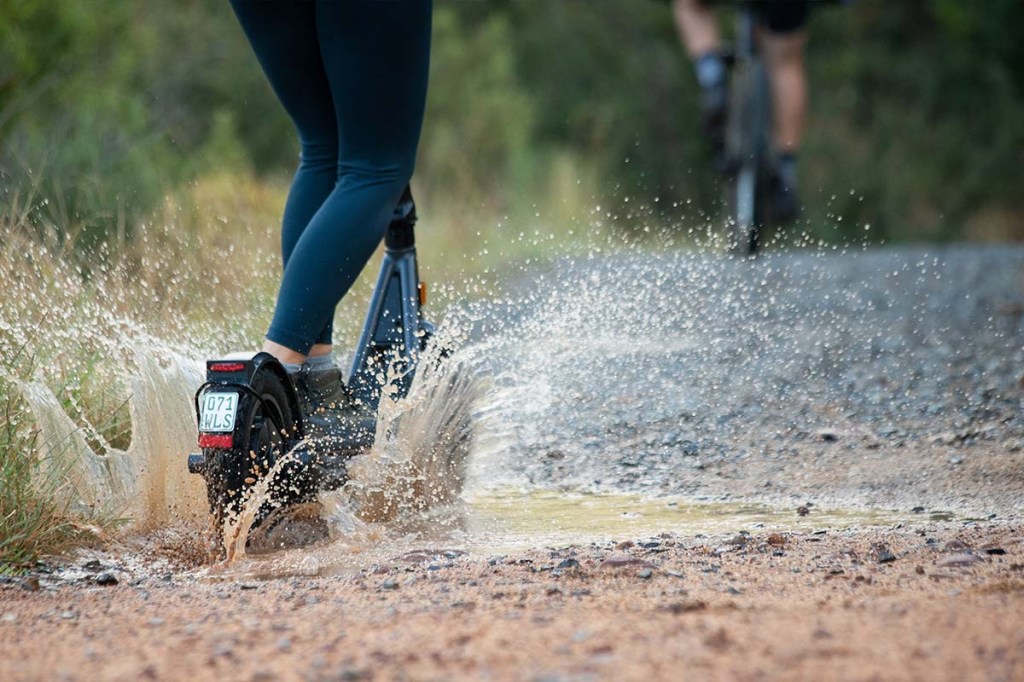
x=783, y=16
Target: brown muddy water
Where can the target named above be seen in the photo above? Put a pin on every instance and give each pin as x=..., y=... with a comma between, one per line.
x=495, y=522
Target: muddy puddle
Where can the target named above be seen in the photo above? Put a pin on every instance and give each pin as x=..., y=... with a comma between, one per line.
x=515, y=520
x=502, y=521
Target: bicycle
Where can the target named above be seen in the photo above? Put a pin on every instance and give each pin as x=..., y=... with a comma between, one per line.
x=747, y=159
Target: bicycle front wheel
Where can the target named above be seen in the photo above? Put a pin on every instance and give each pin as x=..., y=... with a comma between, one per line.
x=746, y=148
x=744, y=232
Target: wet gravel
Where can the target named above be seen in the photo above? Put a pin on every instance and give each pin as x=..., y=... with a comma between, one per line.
x=887, y=376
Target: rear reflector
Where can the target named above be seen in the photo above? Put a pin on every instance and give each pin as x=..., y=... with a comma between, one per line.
x=226, y=366
x=216, y=440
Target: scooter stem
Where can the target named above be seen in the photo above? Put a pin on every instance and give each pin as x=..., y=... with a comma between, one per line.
x=391, y=334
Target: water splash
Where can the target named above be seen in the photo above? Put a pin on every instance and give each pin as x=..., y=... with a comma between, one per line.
x=619, y=371
x=146, y=483
x=423, y=441
x=235, y=534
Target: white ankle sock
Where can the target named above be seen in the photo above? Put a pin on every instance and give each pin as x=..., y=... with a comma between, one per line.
x=320, y=362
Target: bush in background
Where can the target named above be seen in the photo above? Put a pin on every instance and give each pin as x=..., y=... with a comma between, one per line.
x=105, y=107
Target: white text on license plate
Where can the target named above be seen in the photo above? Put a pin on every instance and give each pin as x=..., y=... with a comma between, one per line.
x=218, y=412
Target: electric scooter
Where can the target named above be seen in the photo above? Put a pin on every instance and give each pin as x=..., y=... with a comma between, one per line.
x=248, y=411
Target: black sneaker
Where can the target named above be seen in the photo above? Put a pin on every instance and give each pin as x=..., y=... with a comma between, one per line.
x=713, y=79
x=330, y=415
x=714, y=106
x=787, y=200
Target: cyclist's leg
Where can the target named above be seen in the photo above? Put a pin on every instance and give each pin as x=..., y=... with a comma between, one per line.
x=697, y=26
x=376, y=57
x=783, y=42
x=699, y=31
x=783, y=46
x=283, y=36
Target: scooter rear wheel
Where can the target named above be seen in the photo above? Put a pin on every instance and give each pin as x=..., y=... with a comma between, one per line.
x=266, y=435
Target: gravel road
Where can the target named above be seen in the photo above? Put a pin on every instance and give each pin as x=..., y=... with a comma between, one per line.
x=886, y=377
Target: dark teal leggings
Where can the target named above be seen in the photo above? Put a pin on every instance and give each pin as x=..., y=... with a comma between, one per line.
x=352, y=74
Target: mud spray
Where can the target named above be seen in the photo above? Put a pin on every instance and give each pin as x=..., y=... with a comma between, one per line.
x=144, y=484
x=583, y=401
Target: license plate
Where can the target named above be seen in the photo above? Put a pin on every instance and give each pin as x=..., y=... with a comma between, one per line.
x=218, y=412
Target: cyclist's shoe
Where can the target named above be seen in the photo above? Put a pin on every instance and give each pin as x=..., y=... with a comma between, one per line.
x=712, y=76
x=786, y=199
x=714, y=105
x=329, y=412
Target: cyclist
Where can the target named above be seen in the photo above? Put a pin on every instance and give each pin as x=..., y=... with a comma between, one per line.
x=352, y=75
x=782, y=43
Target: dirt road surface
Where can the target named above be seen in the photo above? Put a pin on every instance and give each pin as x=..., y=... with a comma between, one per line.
x=936, y=602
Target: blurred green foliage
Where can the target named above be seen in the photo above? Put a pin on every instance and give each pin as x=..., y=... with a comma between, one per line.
x=916, y=108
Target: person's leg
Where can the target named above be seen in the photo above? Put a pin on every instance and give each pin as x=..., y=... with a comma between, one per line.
x=376, y=56
x=283, y=36
x=783, y=42
x=698, y=27
x=699, y=31
x=784, y=55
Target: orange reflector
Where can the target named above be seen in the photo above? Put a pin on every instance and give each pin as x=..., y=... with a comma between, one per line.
x=223, y=441
x=423, y=293
x=226, y=366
